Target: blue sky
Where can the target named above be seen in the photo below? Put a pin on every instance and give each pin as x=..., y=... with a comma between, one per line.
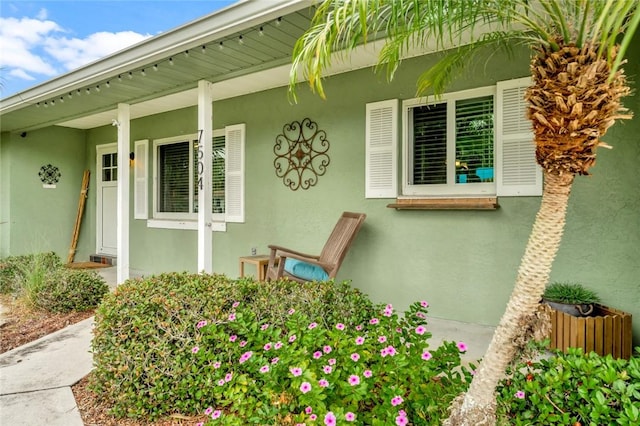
x=40, y=40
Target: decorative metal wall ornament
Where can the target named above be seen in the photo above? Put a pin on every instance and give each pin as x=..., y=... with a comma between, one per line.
x=301, y=154
x=49, y=174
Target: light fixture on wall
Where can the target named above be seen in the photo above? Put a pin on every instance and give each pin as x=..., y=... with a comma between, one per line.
x=132, y=158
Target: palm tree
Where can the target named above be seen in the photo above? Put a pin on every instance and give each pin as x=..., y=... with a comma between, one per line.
x=577, y=52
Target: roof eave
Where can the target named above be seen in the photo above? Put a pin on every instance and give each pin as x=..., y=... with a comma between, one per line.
x=236, y=17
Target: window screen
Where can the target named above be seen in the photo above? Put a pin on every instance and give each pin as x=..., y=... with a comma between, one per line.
x=429, y=156
x=173, y=177
x=474, y=140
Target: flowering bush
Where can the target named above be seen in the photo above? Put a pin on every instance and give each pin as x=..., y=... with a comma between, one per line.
x=378, y=372
x=147, y=329
x=572, y=389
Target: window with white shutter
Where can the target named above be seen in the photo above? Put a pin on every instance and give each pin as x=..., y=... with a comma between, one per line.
x=381, y=164
x=175, y=181
x=471, y=144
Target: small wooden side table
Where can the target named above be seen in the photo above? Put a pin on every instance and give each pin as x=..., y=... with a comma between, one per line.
x=261, y=261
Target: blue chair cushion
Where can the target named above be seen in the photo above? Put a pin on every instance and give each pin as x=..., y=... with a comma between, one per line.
x=304, y=270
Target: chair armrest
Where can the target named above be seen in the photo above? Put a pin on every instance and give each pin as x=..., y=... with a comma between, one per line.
x=285, y=252
x=312, y=260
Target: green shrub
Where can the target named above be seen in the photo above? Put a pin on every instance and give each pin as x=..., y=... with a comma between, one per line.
x=379, y=372
x=24, y=275
x=146, y=329
x=570, y=293
x=572, y=388
x=68, y=290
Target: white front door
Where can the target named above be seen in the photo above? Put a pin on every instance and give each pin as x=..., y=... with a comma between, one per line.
x=107, y=199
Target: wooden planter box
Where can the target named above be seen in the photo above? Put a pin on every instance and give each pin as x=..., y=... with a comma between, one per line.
x=608, y=331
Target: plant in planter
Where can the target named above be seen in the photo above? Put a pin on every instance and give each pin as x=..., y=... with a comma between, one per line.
x=571, y=298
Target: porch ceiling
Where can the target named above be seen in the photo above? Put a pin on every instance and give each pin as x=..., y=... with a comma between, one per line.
x=240, y=49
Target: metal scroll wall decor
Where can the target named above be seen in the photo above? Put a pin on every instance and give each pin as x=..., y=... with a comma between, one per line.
x=301, y=154
x=49, y=175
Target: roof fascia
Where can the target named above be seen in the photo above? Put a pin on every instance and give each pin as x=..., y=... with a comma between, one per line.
x=236, y=17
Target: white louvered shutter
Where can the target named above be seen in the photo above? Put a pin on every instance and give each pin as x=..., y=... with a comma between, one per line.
x=517, y=172
x=141, y=185
x=381, y=138
x=234, y=173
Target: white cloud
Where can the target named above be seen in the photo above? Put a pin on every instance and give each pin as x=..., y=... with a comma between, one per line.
x=75, y=52
x=33, y=47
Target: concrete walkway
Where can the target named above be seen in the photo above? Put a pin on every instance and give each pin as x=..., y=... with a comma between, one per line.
x=36, y=379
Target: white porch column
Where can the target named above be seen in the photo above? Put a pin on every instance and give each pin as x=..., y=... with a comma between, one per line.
x=205, y=195
x=123, y=193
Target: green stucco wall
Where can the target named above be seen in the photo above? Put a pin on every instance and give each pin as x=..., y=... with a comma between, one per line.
x=40, y=219
x=463, y=262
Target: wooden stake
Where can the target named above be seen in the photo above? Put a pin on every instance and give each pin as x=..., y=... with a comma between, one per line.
x=76, y=229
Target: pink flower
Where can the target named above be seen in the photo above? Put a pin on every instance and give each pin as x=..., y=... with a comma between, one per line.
x=389, y=350
x=402, y=421
x=200, y=424
x=291, y=311
x=388, y=311
x=245, y=357
x=313, y=417
x=382, y=339
x=235, y=304
x=421, y=315
x=312, y=325
x=268, y=346
x=355, y=356
x=296, y=371
x=317, y=354
x=233, y=338
x=308, y=410
x=195, y=350
x=354, y=380
x=327, y=369
x=461, y=346
x=221, y=382
x=275, y=360
x=330, y=419
x=374, y=321
x=292, y=338
x=201, y=324
x=367, y=373
x=228, y=377
x=359, y=327
x=424, y=303
x=305, y=387
x=217, y=364
x=359, y=340
x=420, y=330
x=426, y=355
x=263, y=327
x=332, y=361
x=396, y=400
x=264, y=369
x=349, y=416
x=208, y=411
x=326, y=349
x=340, y=326
x=232, y=317
x=216, y=414
x=278, y=345
x=243, y=343
x=323, y=383
x=520, y=394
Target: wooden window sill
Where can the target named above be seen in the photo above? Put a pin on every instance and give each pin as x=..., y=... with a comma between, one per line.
x=485, y=203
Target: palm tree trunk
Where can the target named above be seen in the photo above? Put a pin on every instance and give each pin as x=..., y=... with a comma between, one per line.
x=477, y=406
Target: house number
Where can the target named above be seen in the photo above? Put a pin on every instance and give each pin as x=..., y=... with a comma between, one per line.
x=200, y=162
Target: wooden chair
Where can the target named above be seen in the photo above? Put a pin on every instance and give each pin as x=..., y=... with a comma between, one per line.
x=329, y=259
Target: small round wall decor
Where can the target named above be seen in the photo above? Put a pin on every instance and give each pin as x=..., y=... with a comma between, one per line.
x=301, y=154
x=49, y=175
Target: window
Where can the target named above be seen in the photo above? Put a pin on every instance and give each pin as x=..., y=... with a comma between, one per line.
x=448, y=145
x=176, y=180
x=474, y=143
